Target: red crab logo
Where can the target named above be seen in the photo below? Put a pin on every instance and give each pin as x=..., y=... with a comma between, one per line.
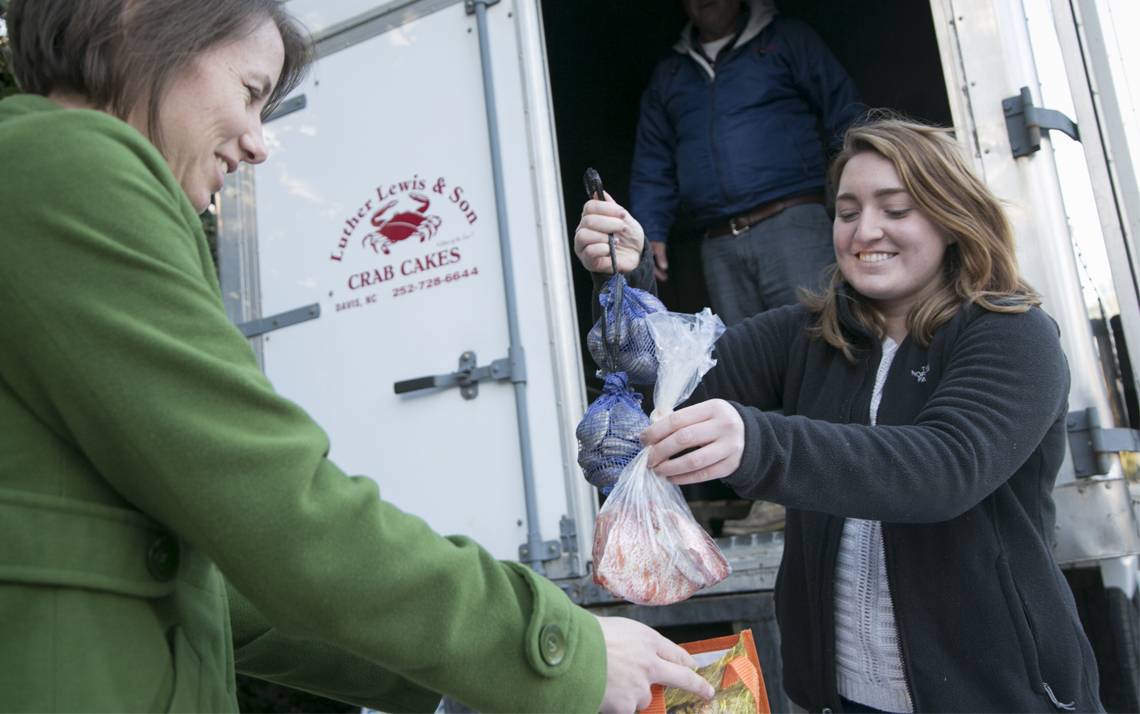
x=401, y=225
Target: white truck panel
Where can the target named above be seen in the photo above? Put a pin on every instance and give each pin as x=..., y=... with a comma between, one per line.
x=403, y=143
x=991, y=58
x=552, y=232
x=989, y=55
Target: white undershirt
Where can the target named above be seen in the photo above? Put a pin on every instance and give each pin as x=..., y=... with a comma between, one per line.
x=712, y=48
x=868, y=657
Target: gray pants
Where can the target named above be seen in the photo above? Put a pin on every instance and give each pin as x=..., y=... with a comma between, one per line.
x=762, y=267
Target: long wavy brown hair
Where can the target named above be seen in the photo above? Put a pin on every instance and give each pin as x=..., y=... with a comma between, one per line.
x=980, y=265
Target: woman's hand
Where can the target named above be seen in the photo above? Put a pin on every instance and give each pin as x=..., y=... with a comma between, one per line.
x=591, y=239
x=712, y=430
x=636, y=658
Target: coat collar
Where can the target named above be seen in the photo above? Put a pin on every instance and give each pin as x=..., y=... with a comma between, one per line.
x=760, y=14
x=845, y=299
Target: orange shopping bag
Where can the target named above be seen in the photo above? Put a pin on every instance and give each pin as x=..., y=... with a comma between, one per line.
x=735, y=675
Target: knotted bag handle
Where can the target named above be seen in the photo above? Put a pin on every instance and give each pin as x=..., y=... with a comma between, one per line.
x=593, y=181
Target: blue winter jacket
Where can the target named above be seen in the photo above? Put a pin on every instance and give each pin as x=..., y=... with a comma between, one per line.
x=721, y=141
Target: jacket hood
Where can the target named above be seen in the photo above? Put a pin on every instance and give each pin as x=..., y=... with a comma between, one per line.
x=760, y=13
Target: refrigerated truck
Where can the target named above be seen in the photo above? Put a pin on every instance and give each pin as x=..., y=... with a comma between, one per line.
x=403, y=270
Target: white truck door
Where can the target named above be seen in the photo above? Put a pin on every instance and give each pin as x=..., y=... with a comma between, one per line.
x=988, y=55
x=1092, y=35
x=379, y=206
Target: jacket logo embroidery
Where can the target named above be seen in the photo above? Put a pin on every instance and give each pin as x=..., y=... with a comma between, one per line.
x=920, y=374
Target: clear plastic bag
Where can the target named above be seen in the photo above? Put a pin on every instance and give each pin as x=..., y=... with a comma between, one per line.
x=648, y=548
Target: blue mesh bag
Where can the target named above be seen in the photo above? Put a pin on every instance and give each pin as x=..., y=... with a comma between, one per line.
x=608, y=435
x=622, y=328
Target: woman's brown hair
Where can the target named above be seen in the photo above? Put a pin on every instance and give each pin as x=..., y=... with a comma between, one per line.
x=980, y=265
x=118, y=53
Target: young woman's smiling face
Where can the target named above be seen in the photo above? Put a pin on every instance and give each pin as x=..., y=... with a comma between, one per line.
x=886, y=248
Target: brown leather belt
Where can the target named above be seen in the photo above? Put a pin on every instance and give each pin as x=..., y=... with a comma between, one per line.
x=738, y=224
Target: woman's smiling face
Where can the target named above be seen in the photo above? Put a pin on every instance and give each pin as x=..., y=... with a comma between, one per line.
x=886, y=248
x=210, y=117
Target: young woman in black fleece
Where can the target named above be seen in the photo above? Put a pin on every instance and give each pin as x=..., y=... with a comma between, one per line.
x=912, y=420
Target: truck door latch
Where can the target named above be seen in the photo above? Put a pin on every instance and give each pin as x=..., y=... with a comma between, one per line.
x=1091, y=445
x=253, y=328
x=467, y=377
x=1025, y=123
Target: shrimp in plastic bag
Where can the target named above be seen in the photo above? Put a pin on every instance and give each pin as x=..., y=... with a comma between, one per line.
x=648, y=548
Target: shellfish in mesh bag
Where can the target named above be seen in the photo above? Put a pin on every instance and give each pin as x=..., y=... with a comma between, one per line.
x=624, y=310
x=648, y=548
x=608, y=435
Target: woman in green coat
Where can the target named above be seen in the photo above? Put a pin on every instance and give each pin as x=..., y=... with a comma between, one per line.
x=165, y=517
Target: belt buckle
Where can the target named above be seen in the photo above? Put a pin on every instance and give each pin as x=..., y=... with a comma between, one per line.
x=736, y=231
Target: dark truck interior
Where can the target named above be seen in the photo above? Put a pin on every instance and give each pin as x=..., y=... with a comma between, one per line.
x=601, y=55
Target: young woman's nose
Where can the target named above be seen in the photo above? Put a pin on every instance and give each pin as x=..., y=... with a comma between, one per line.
x=869, y=228
x=252, y=145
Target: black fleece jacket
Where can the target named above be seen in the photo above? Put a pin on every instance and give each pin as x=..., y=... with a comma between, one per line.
x=960, y=470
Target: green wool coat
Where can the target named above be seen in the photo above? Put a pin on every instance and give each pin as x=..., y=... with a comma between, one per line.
x=167, y=519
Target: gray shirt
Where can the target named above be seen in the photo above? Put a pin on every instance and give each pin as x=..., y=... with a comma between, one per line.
x=868, y=660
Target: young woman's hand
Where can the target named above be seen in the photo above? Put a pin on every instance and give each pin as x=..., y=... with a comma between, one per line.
x=713, y=434
x=591, y=239
x=637, y=658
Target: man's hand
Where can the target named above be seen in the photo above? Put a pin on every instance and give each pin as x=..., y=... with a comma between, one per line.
x=713, y=430
x=636, y=658
x=660, y=261
x=591, y=239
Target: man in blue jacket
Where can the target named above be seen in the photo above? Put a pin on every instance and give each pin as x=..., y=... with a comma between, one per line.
x=730, y=131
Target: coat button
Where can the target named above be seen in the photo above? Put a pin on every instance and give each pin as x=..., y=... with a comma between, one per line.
x=552, y=643
x=162, y=557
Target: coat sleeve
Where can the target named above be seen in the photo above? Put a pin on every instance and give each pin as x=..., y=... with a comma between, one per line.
x=752, y=360
x=823, y=81
x=116, y=338
x=264, y=652
x=653, y=192
x=1006, y=383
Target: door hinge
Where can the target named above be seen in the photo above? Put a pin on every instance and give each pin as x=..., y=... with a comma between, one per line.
x=469, y=5
x=1091, y=446
x=568, y=532
x=553, y=549
x=1025, y=123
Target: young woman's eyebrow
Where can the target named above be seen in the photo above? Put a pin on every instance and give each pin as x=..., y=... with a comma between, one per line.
x=888, y=192
x=879, y=193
